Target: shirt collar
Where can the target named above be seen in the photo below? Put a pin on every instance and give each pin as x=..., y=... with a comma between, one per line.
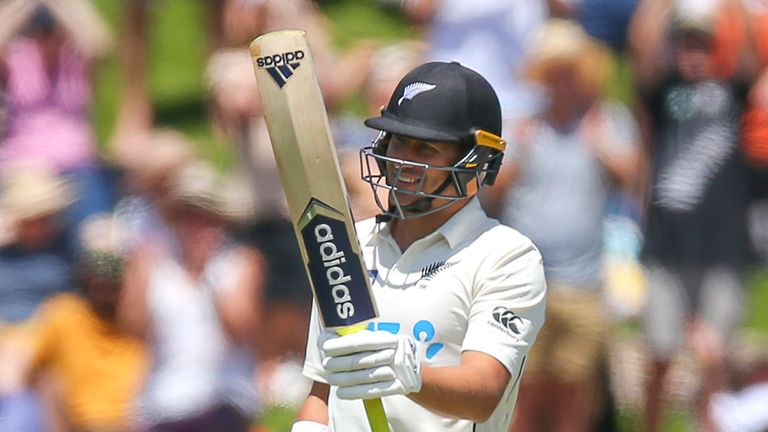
x=460, y=225
x=454, y=230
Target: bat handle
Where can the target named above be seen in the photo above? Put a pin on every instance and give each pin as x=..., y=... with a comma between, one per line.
x=374, y=409
x=377, y=419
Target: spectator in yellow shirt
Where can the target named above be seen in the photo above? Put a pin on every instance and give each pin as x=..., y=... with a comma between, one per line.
x=97, y=369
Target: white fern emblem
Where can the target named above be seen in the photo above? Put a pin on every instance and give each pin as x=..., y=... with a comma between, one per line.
x=413, y=89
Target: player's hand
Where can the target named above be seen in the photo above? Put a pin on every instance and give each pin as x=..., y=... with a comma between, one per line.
x=371, y=364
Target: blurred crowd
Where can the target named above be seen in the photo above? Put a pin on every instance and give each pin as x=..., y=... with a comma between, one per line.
x=143, y=288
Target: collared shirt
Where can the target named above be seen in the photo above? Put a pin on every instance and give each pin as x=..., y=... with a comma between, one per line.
x=472, y=285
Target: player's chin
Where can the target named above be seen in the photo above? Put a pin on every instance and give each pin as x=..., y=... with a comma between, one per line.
x=405, y=197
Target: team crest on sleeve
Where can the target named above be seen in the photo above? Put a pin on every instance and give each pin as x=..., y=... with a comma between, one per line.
x=508, y=321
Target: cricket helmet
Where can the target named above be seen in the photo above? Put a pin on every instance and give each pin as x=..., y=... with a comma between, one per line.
x=437, y=102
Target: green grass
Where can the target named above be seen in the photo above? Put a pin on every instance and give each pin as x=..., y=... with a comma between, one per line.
x=757, y=304
x=278, y=419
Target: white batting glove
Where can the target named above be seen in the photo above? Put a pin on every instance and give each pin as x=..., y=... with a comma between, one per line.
x=308, y=426
x=371, y=364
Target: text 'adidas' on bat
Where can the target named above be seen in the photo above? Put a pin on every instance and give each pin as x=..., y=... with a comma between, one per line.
x=317, y=197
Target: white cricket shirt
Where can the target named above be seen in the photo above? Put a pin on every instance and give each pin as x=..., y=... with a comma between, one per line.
x=473, y=284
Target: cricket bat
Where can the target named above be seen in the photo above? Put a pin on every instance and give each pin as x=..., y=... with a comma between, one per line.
x=317, y=197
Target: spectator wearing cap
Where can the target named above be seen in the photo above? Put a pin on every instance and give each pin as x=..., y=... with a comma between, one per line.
x=695, y=229
x=198, y=309
x=562, y=169
x=33, y=268
x=96, y=368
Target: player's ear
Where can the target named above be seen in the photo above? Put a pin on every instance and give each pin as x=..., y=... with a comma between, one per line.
x=380, y=145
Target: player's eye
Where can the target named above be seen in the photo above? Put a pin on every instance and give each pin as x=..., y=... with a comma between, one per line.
x=427, y=148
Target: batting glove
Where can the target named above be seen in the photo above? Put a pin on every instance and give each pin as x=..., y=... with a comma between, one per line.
x=308, y=426
x=371, y=364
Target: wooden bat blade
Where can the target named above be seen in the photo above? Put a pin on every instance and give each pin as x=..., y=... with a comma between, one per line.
x=317, y=198
x=309, y=169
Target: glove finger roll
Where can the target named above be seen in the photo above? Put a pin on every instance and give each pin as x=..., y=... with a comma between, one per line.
x=364, y=376
x=365, y=340
x=370, y=391
x=363, y=360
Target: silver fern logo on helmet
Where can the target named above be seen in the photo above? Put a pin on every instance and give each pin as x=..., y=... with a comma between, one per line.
x=413, y=89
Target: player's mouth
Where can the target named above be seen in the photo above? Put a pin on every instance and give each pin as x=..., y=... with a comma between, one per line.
x=408, y=181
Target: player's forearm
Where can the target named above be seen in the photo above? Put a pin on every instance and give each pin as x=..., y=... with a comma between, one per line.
x=315, y=407
x=467, y=392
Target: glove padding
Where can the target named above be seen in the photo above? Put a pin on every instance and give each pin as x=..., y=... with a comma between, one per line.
x=371, y=364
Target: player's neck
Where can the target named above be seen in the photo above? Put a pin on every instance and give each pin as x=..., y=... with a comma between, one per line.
x=405, y=232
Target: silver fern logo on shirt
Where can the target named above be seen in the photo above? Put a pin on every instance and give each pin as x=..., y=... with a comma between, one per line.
x=430, y=271
x=414, y=89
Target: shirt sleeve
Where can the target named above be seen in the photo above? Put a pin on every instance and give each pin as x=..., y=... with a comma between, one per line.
x=313, y=362
x=508, y=305
x=43, y=337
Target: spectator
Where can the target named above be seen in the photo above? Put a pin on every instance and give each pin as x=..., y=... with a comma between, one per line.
x=32, y=269
x=564, y=165
x=456, y=29
x=96, y=368
x=32, y=266
x=146, y=181
x=199, y=311
x=693, y=82
x=47, y=53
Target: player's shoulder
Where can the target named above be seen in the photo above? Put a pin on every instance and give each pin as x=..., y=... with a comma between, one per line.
x=66, y=301
x=497, y=238
x=61, y=307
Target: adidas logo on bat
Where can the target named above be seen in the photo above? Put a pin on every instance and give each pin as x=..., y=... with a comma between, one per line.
x=281, y=66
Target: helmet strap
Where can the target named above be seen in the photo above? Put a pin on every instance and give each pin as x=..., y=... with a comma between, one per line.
x=422, y=205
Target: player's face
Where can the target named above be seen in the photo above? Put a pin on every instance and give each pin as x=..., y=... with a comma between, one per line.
x=408, y=177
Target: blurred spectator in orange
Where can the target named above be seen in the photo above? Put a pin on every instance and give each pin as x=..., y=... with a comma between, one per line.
x=199, y=311
x=693, y=75
x=563, y=166
x=756, y=118
x=33, y=268
x=755, y=134
x=489, y=36
x=96, y=369
x=47, y=49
